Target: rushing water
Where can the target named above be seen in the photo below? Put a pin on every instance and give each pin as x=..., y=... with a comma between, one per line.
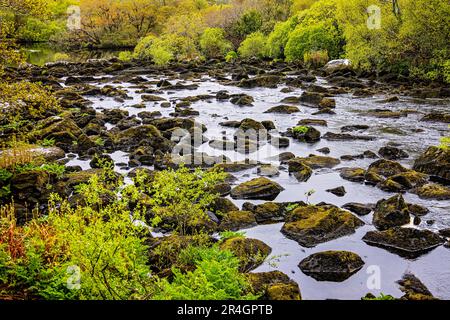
x=432, y=268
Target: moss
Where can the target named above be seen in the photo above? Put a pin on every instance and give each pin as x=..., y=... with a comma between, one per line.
x=251, y=252
x=258, y=188
x=235, y=220
x=316, y=224
x=283, y=291
x=317, y=162
x=433, y=191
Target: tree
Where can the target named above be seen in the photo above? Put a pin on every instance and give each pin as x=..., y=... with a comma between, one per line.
x=254, y=46
x=213, y=43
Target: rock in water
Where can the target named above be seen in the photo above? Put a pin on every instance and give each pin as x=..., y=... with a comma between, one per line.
x=251, y=252
x=406, y=242
x=434, y=161
x=312, y=225
x=413, y=288
x=333, y=266
x=391, y=212
x=258, y=188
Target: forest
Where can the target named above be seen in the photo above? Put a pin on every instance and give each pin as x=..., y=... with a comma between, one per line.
x=225, y=150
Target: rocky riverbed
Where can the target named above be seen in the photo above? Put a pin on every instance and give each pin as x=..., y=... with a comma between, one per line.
x=345, y=161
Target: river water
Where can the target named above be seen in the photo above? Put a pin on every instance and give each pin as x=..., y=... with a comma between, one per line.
x=413, y=135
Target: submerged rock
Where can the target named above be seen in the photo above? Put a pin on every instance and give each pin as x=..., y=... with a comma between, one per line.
x=333, y=266
x=407, y=242
x=391, y=212
x=312, y=225
x=258, y=188
x=319, y=162
x=339, y=191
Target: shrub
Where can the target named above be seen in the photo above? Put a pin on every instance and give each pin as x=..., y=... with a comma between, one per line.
x=125, y=56
x=250, y=22
x=254, y=46
x=278, y=38
x=213, y=43
x=60, y=56
x=26, y=101
x=231, y=56
x=216, y=277
x=318, y=37
x=316, y=59
x=180, y=198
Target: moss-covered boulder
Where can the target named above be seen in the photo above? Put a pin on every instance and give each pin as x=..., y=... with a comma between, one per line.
x=391, y=212
x=284, y=109
x=235, y=166
x=434, y=161
x=273, y=285
x=251, y=252
x=236, y=220
x=407, y=242
x=258, y=188
x=333, y=266
x=130, y=139
x=386, y=168
x=299, y=169
x=223, y=205
x=312, y=225
x=353, y=174
x=392, y=153
x=250, y=124
x=414, y=289
x=306, y=134
x=31, y=187
x=433, y=191
x=319, y=162
x=404, y=181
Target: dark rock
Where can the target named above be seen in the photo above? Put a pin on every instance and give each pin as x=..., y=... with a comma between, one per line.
x=250, y=252
x=284, y=109
x=434, y=161
x=312, y=122
x=407, y=242
x=312, y=225
x=392, y=153
x=335, y=266
x=339, y=191
x=390, y=213
x=258, y=188
x=299, y=169
x=345, y=137
x=414, y=289
x=359, y=208
x=236, y=220
x=386, y=168
x=273, y=285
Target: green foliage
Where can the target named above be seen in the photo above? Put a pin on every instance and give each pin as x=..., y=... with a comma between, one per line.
x=278, y=38
x=412, y=41
x=224, y=235
x=300, y=129
x=48, y=142
x=254, y=46
x=306, y=39
x=180, y=198
x=231, y=56
x=445, y=143
x=213, y=43
x=250, y=22
x=216, y=277
x=380, y=297
x=125, y=56
x=52, y=168
x=316, y=59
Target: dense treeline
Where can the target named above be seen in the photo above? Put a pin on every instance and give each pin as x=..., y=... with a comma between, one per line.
x=411, y=39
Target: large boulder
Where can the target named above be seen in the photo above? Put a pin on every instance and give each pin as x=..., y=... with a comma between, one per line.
x=392, y=153
x=284, y=109
x=386, y=168
x=414, y=289
x=432, y=191
x=235, y=220
x=305, y=134
x=271, y=212
x=149, y=135
x=251, y=252
x=338, y=65
x=407, y=242
x=353, y=174
x=258, y=188
x=391, y=212
x=319, y=162
x=333, y=266
x=434, y=161
x=273, y=285
x=299, y=169
x=312, y=225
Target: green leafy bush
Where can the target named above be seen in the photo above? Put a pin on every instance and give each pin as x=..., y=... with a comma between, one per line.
x=231, y=56
x=278, y=38
x=125, y=56
x=216, y=277
x=318, y=37
x=316, y=59
x=179, y=199
x=213, y=43
x=254, y=46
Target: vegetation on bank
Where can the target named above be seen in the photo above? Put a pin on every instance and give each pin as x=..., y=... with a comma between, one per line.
x=409, y=39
